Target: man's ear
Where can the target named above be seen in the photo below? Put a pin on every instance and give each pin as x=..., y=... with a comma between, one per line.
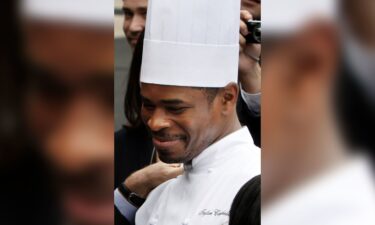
x=228, y=97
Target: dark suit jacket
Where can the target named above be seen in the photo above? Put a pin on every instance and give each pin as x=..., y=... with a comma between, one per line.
x=133, y=148
x=356, y=113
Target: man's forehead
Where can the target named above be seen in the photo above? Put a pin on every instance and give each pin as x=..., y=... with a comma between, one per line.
x=166, y=91
x=135, y=4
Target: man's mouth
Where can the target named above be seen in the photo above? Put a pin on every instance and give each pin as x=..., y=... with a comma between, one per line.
x=162, y=142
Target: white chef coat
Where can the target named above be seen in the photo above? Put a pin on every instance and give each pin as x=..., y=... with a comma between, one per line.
x=344, y=196
x=128, y=210
x=203, y=194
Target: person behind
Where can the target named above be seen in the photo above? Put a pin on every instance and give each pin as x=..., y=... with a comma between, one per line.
x=245, y=208
x=134, y=20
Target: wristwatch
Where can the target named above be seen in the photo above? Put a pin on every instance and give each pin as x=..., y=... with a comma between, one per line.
x=132, y=197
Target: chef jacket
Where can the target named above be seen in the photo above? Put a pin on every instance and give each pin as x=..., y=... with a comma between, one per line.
x=203, y=194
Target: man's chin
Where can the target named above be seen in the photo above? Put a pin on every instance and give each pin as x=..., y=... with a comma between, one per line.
x=167, y=157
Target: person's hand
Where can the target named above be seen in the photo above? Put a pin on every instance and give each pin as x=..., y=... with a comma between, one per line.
x=143, y=181
x=249, y=68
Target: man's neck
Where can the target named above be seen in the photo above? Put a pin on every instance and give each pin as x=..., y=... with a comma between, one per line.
x=231, y=126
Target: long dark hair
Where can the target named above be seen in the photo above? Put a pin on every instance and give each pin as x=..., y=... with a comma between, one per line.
x=133, y=101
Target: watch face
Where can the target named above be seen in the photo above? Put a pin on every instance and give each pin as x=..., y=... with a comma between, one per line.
x=135, y=199
x=132, y=197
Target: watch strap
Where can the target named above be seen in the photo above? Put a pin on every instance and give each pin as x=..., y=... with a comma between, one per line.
x=132, y=197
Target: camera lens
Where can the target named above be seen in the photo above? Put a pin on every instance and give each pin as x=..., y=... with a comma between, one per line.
x=255, y=34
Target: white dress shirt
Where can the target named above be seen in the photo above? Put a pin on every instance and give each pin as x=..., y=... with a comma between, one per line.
x=252, y=101
x=203, y=194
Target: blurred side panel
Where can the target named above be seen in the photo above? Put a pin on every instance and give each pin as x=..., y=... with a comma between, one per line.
x=317, y=155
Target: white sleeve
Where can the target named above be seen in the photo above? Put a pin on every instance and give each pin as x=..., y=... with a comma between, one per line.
x=126, y=209
x=252, y=101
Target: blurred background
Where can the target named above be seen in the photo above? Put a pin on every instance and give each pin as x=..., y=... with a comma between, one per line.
x=318, y=112
x=57, y=112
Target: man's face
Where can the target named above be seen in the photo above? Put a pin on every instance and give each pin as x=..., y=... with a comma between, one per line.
x=253, y=6
x=182, y=120
x=135, y=18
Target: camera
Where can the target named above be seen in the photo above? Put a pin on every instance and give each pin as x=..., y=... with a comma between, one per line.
x=254, y=28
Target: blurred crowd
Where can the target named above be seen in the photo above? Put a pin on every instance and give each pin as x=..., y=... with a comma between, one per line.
x=59, y=163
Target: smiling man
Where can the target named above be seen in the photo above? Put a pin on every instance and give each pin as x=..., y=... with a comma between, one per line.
x=184, y=121
x=189, y=91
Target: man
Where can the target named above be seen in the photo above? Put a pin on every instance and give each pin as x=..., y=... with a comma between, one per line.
x=194, y=121
x=143, y=181
x=151, y=176
x=69, y=50
x=308, y=176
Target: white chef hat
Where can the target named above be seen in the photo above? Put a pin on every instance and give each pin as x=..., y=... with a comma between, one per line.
x=88, y=12
x=286, y=16
x=192, y=43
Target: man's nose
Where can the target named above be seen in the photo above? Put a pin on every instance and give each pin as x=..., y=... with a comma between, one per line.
x=137, y=24
x=158, y=121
